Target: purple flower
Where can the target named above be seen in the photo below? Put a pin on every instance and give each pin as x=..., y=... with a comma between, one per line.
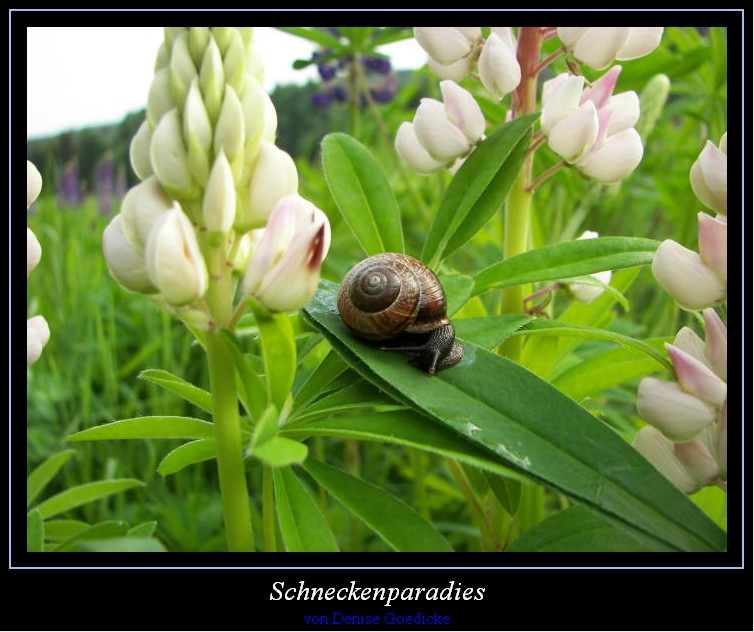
x=320, y=100
x=378, y=65
x=326, y=71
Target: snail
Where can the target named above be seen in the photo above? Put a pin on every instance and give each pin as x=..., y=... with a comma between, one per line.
x=395, y=297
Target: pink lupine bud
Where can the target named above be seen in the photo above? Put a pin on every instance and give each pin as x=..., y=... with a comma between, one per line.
x=696, y=378
x=599, y=46
x=411, y=150
x=174, y=262
x=33, y=183
x=709, y=176
x=125, y=264
x=37, y=335
x=713, y=244
x=642, y=41
x=679, y=415
x=284, y=270
x=614, y=158
x=660, y=452
x=499, y=69
x=716, y=347
x=682, y=273
x=463, y=110
x=721, y=441
x=698, y=461
x=446, y=44
x=457, y=71
x=33, y=251
x=573, y=136
x=687, y=340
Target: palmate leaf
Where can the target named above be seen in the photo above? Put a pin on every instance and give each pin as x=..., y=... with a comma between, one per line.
x=530, y=426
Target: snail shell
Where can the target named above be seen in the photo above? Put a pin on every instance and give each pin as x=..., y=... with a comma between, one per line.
x=392, y=295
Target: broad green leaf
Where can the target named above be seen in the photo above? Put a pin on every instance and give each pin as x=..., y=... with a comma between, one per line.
x=143, y=530
x=44, y=473
x=531, y=426
x=362, y=193
x=197, y=396
x=544, y=327
x=61, y=530
x=266, y=428
x=187, y=454
x=252, y=391
x=35, y=532
x=280, y=451
x=356, y=396
x=86, y=493
x=101, y=530
x=478, y=189
x=405, y=427
x=123, y=545
x=278, y=352
x=506, y=490
x=566, y=260
x=579, y=530
x=458, y=290
x=604, y=370
x=490, y=331
x=393, y=520
x=148, y=428
x=319, y=380
x=302, y=524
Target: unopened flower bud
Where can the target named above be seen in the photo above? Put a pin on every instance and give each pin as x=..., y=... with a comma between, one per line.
x=141, y=207
x=698, y=461
x=614, y=159
x=599, y=46
x=499, y=69
x=140, y=151
x=446, y=44
x=696, y=378
x=709, y=176
x=274, y=177
x=660, y=452
x=462, y=110
x=199, y=37
x=126, y=265
x=713, y=244
x=174, y=262
x=219, y=204
x=33, y=251
x=169, y=157
x=586, y=293
x=212, y=80
x=182, y=69
x=716, y=344
x=411, y=150
x=37, y=335
x=33, y=183
x=443, y=140
x=721, y=441
x=229, y=132
x=159, y=99
x=234, y=61
x=682, y=273
x=457, y=71
x=284, y=270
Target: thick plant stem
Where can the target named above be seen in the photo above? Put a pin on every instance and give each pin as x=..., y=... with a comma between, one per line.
x=233, y=489
x=518, y=207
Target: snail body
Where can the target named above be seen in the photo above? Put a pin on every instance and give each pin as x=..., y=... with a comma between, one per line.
x=394, y=297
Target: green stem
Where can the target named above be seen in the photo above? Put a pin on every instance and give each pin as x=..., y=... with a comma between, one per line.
x=230, y=466
x=488, y=538
x=352, y=458
x=268, y=510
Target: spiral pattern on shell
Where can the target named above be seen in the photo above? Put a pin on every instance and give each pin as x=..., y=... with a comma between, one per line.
x=390, y=293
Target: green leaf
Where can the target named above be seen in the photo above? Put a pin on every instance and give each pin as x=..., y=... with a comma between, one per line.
x=157, y=427
x=101, y=530
x=405, y=427
x=86, y=493
x=478, y=189
x=566, y=260
x=187, y=454
x=604, y=370
x=356, y=396
x=362, y=193
x=266, y=428
x=390, y=518
x=302, y=524
x=197, y=396
x=280, y=451
x=44, y=473
x=61, y=530
x=458, y=290
x=579, y=530
x=35, y=532
x=489, y=331
x=124, y=545
x=278, y=352
x=319, y=381
x=143, y=530
x=530, y=426
x=252, y=391
x=545, y=327
x=506, y=490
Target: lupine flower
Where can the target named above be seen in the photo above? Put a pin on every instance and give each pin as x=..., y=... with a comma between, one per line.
x=37, y=330
x=125, y=263
x=690, y=415
x=442, y=132
x=695, y=280
x=709, y=176
x=587, y=293
x=599, y=46
x=498, y=67
x=283, y=272
x=447, y=44
x=592, y=129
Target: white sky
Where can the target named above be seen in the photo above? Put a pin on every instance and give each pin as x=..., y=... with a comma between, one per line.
x=80, y=76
